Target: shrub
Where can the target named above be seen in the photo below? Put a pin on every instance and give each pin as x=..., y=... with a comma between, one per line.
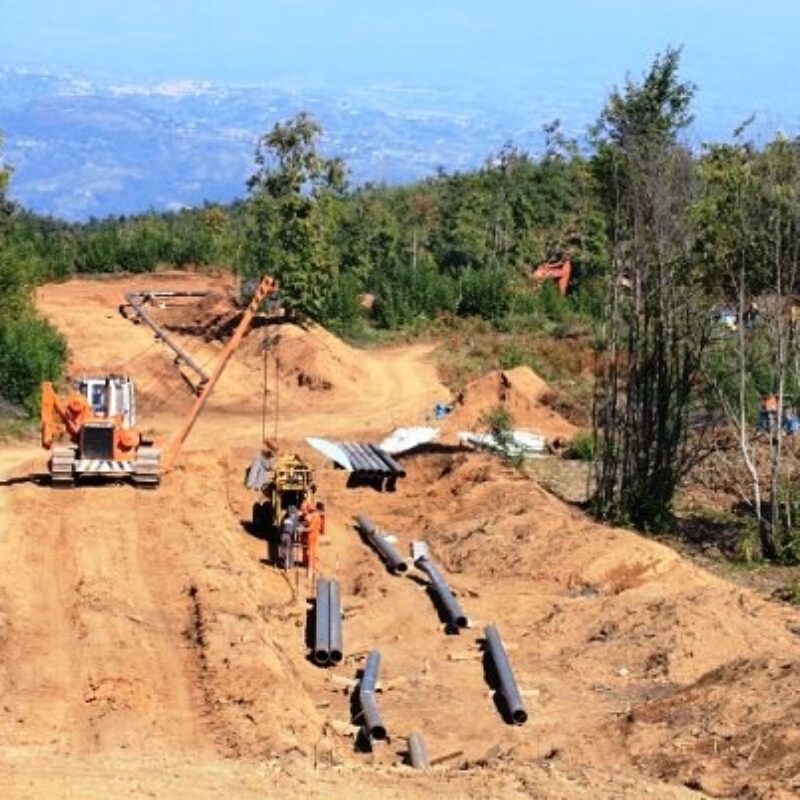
x=485, y=293
x=31, y=351
x=582, y=448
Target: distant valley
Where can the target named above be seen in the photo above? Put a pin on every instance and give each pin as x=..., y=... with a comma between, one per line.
x=88, y=147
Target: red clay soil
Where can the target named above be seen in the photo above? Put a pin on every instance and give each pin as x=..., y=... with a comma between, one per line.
x=521, y=392
x=147, y=649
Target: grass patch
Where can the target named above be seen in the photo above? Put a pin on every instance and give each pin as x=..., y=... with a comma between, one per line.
x=13, y=429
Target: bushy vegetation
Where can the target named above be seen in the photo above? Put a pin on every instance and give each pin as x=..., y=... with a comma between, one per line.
x=31, y=351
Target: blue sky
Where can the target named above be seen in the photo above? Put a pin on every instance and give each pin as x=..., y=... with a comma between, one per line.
x=739, y=53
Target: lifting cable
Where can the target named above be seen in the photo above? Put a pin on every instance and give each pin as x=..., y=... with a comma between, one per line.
x=133, y=358
x=264, y=393
x=277, y=394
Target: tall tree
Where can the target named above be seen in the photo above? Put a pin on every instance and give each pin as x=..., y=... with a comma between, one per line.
x=657, y=327
x=748, y=229
x=289, y=221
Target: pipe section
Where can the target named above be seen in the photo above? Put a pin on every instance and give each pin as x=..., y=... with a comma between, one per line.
x=373, y=722
x=417, y=752
x=374, y=463
x=394, y=562
x=356, y=458
x=508, y=684
x=336, y=650
x=455, y=614
x=322, y=635
x=393, y=465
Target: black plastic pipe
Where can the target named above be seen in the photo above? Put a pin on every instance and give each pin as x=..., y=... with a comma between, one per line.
x=322, y=635
x=392, y=558
x=390, y=462
x=508, y=684
x=335, y=649
x=358, y=462
x=373, y=722
x=417, y=752
x=455, y=614
x=375, y=464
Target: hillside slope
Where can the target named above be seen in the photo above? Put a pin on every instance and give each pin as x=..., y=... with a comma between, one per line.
x=146, y=648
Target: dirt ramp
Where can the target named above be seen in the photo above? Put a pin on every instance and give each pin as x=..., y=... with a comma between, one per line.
x=521, y=392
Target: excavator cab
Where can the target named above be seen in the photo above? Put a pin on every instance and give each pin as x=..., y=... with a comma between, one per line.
x=110, y=396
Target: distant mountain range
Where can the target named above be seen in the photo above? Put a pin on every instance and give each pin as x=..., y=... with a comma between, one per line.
x=85, y=147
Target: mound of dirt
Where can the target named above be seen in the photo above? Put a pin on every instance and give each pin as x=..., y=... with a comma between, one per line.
x=736, y=727
x=310, y=358
x=521, y=392
x=210, y=317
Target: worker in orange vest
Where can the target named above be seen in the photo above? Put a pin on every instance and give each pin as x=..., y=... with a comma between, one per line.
x=315, y=527
x=768, y=413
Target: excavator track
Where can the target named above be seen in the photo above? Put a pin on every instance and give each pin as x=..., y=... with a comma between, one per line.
x=147, y=468
x=62, y=467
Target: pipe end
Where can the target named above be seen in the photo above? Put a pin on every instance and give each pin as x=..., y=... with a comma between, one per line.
x=336, y=656
x=322, y=657
x=378, y=733
x=401, y=567
x=519, y=716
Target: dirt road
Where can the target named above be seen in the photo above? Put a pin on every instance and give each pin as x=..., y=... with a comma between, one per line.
x=147, y=650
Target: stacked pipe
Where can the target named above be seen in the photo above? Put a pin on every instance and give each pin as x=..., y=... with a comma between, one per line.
x=371, y=716
x=369, y=459
x=328, y=623
x=507, y=683
x=381, y=544
x=456, y=618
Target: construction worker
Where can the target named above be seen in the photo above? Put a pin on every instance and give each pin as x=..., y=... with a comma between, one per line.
x=315, y=525
x=289, y=530
x=791, y=422
x=768, y=413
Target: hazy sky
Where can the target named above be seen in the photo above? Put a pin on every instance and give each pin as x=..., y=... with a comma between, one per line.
x=739, y=52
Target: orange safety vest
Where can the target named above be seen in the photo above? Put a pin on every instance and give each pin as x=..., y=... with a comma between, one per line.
x=314, y=525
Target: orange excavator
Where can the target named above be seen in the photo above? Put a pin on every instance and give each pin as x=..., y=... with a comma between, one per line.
x=558, y=271
x=99, y=417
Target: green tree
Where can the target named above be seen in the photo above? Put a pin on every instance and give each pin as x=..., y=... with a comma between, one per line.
x=290, y=210
x=30, y=350
x=658, y=322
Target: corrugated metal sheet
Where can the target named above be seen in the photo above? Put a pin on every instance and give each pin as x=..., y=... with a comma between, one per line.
x=404, y=439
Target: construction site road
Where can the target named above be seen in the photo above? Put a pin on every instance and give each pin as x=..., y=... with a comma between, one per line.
x=147, y=649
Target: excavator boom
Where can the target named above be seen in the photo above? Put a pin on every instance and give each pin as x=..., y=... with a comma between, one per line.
x=266, y=288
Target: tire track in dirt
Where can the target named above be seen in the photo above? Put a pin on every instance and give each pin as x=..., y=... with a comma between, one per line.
x=38, y=682
x=90, y=653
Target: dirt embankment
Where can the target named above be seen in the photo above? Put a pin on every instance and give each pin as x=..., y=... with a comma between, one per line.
x=146, y=648
x=520, y=392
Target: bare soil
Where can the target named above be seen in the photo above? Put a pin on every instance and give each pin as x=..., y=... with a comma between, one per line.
x=147, y=649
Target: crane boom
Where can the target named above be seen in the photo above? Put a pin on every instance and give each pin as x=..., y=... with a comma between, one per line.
x=267, y=287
